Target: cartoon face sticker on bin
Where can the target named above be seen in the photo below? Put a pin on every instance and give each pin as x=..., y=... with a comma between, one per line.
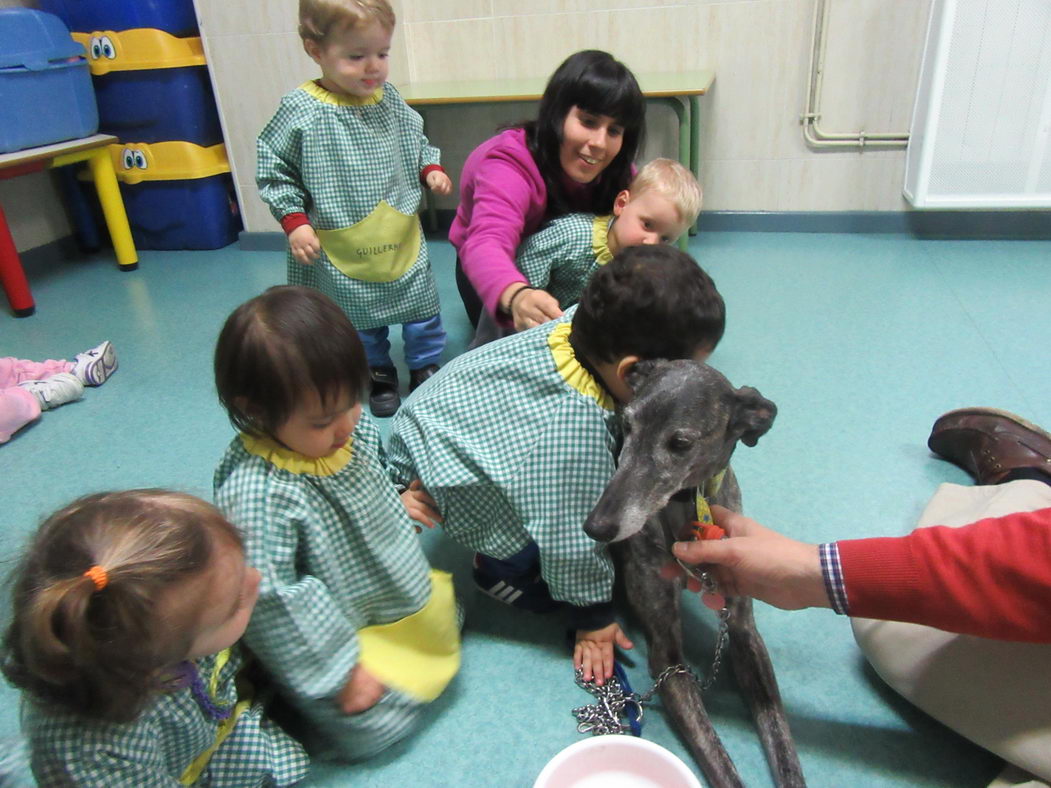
x=138, y=50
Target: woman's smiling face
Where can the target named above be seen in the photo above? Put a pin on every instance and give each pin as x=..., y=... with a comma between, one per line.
x=590, y=143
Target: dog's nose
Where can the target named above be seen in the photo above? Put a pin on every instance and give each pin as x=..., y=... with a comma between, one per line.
x=600, y=529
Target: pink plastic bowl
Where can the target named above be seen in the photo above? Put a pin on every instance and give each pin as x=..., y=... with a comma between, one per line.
x=616, y=762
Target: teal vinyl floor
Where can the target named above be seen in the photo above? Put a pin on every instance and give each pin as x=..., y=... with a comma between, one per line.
x=862, y=341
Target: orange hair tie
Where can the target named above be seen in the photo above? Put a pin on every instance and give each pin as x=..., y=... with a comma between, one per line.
x=98, y=577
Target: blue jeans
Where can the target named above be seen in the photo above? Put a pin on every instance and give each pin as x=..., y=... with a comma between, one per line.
x=424, y=342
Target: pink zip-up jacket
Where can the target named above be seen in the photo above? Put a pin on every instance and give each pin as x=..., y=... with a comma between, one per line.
x=503, y=198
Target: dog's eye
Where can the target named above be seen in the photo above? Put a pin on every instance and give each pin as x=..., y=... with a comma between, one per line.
x=680, y=443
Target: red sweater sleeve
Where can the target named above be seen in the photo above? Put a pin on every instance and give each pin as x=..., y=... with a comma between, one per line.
x=991, y=578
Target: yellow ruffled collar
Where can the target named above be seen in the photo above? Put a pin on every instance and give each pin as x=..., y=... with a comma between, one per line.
x=294, y=462
x=600, y=239
x=328, y=97
x=571, y=370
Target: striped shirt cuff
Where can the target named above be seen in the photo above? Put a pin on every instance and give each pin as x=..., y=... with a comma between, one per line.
x=833, y=574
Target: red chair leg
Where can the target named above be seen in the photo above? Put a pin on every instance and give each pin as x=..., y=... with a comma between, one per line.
x=12, y=277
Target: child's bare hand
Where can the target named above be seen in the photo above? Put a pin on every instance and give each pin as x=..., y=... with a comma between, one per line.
x=439, y=183
x=361, y=692
x=594, y=651
x=420, y=506
x=304, y=243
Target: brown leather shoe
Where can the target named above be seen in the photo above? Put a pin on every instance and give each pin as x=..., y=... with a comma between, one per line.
x=989, y=443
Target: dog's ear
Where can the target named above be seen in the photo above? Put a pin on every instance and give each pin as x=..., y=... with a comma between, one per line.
x=640, y=372
x=753, y=415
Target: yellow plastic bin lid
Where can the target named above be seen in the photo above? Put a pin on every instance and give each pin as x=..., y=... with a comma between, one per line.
x=138, y=49
x=167, y=161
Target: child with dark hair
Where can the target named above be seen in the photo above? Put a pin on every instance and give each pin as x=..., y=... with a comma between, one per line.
x=516, y=440
x=576, y=156
x=127, y=606
x=354, y=626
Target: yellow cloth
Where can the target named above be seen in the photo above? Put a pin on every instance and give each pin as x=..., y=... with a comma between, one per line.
x=420, y=654
x=600, y=239
x=571, y=370
x=286, y=459
x=193, y=771
x=709, y=490
x=328, y=97
x=379, y=248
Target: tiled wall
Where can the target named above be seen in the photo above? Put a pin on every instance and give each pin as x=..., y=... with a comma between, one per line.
x=753, y=158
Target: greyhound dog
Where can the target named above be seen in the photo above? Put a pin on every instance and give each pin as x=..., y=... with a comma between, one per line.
x=679, y=431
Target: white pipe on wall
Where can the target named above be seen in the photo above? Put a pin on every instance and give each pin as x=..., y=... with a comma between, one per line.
x=812, y=133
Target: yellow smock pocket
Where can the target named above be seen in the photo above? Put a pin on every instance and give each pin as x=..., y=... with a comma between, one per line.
x=379, y=248
x=420, y=654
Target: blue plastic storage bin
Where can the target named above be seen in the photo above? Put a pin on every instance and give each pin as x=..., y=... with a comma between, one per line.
x=159, y=104
x=82, y=16
x=200, y=213
x=45, y=88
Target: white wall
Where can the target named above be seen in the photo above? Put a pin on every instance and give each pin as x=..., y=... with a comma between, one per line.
x=753, y=155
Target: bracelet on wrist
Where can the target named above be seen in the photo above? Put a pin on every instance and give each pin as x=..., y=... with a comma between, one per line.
x=518, y=292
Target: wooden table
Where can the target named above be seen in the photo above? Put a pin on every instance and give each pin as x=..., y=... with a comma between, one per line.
x=95, y=151
x=681, y=91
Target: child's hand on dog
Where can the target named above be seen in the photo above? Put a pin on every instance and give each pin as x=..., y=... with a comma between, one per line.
x=594, y=651
x=420, y=506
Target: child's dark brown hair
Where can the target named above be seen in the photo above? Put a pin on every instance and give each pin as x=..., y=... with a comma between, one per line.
x=100, y=646
x=279, y=345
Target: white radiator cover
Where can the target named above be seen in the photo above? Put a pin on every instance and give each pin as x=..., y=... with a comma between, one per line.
x=981, y=127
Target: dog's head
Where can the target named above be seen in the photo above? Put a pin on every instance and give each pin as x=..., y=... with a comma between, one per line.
x=679, y=430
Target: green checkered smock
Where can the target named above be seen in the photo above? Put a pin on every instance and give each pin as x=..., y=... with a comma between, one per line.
x=513, y=453
x=337, y=553
x=160, y=745
x=335, y=160
x=561, y=256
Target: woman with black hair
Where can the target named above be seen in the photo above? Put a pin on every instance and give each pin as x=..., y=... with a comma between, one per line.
x=576, y=156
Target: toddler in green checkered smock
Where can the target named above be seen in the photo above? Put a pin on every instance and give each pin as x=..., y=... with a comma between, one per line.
x=353, y=626
x=342, y=165
x=127, y=610
x=661, y=203
x=516, y=440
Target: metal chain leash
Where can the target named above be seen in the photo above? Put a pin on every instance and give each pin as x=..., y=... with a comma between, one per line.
x=605, y=715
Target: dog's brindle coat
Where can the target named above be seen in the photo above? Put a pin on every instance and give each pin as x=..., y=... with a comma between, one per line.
x=679, y=431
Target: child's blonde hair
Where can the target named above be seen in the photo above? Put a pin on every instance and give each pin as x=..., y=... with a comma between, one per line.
x=673, y=181
x=318, y=19
x=86, y=635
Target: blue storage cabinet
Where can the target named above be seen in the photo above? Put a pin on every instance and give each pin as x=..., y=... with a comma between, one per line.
x=173, y=16
x=46, y=94
x=200, y=213
x=159, y=104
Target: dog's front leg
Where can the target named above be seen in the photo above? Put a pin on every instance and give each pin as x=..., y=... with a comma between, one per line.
x=655, y=602
x=755, y=676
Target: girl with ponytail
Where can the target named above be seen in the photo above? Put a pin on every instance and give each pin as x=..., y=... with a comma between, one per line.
x=127, y=609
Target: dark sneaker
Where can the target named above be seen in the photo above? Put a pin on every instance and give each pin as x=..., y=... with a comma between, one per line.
x=418, y=376
x=523, y=592
x=384, y=399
